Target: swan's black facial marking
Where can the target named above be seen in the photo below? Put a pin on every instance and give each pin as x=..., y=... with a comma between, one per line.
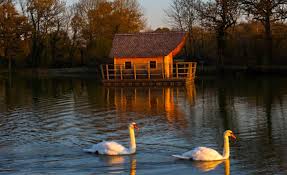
x=135, y=126
x=232, y=135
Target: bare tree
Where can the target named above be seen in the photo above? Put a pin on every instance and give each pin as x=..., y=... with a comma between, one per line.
x=175, y=14
x=219, y=15
x=182, y=16
x=267, y=12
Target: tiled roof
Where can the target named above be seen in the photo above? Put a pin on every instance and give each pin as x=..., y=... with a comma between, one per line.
x=140, y=45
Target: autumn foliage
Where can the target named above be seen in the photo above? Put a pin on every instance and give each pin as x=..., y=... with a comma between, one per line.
x=52, y=33
x=49, y=33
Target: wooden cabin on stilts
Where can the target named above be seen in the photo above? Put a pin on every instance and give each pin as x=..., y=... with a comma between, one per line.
x=148, y=59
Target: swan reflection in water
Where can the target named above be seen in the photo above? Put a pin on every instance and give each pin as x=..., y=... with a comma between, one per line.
x=206, y=166
x=121, y=160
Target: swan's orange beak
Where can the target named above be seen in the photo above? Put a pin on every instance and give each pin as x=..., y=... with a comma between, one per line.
x=233, y=136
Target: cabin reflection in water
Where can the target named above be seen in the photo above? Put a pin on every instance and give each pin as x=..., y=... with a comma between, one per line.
x=154, y=100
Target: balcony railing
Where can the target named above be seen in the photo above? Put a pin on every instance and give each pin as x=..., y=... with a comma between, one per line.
x=179, y=70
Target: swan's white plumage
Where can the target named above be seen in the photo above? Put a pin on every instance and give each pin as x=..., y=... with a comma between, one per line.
x=203, y=154
x=208, y=154
x=109, y=148
x=113, y=148
x=200, y=154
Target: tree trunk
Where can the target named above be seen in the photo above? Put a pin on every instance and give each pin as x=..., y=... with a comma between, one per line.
x=35, y=51
x=71, y=54
x=268, y=43
x=53, y=49
x=82, y=57
x=220, y=47
x=10, y=64
x=8, y=57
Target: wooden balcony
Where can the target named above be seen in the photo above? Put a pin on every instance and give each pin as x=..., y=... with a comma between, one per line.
x=144, y=74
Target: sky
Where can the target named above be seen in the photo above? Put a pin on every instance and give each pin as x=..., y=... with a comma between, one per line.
x=153, y=11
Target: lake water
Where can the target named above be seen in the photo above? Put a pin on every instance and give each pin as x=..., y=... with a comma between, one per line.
x=45, y=124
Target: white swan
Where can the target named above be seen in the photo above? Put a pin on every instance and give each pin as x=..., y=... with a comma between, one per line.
x=113, y=148
x=208, y=154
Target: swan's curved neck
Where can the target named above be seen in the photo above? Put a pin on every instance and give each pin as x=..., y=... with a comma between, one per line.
x=132, y=140
x=226, y=150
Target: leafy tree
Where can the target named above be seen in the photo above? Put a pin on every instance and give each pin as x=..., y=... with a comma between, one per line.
x=13, y=31
x=45, y=16
x=102, y=19
x=3, y=1
x=128, y=16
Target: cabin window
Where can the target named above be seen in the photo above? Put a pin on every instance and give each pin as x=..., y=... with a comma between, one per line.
x=152, y=64
x=128, y=65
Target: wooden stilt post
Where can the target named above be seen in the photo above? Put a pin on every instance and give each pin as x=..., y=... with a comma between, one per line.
x=162, y=70
x=148, y=71
x=107, y=70
x=102, y=70
x=135, y=72
x=115, y=69
x=121, y=69
x=176, y=66
x=190, y=70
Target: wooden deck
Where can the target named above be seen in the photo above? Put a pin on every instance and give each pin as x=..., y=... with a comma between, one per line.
x=144, y=82
x=144, y=75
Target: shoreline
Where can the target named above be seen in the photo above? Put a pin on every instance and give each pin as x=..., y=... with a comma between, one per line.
x=89, y=72
x=248, y=70
x=93, y=72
